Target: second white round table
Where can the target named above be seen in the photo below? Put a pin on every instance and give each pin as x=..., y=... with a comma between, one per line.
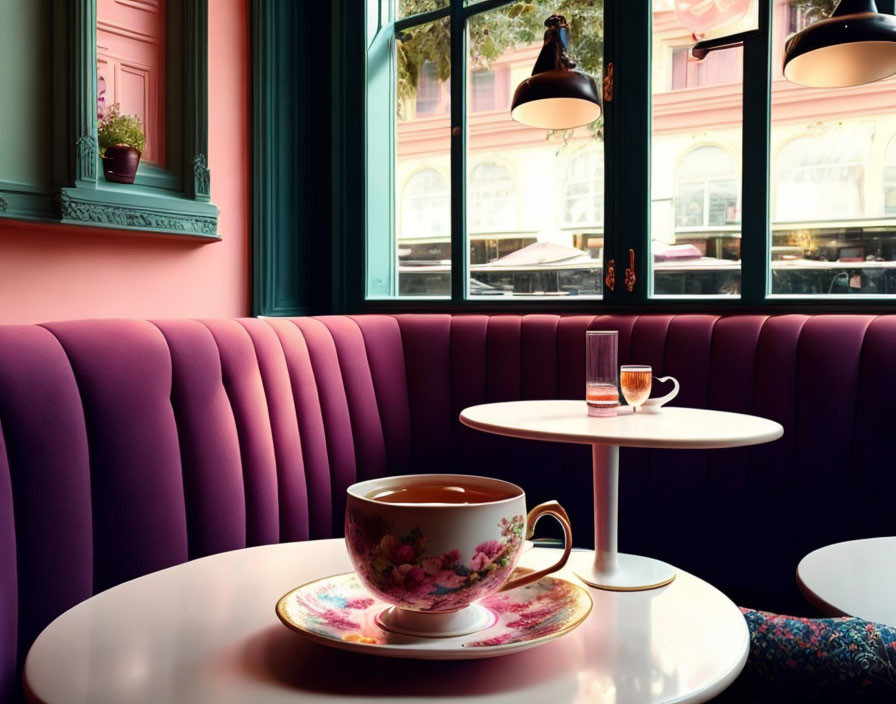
x=853, y=578
x=672, y=428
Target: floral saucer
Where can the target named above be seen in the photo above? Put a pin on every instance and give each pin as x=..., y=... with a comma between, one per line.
x=338, y=611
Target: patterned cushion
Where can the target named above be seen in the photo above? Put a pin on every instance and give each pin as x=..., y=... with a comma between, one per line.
x=816, y=660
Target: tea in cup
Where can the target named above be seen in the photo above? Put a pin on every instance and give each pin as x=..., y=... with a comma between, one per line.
x=433, y=544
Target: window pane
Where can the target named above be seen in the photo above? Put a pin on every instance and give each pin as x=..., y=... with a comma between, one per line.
x=534, y=200
x=485, y=93
x=406, y=8
x=131, y=67
x=833, y=178
x=713, y=19
x=423, y=161
x=697, y=118
x=889, y=185
x=425, y=205
x=583, y=190
x=493, y=199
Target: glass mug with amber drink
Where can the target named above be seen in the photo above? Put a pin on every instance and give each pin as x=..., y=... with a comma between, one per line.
x=636, y=381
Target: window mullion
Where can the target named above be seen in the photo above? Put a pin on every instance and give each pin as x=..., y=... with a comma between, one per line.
x=755, y=184
x=459, y=248
x=421, y=18
x=627, y=147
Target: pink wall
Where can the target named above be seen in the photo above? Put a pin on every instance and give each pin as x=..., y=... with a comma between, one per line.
x=53, y=272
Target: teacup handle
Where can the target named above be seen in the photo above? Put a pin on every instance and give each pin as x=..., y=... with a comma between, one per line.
x=653, y=405
x=548, y=508
x=662, y=400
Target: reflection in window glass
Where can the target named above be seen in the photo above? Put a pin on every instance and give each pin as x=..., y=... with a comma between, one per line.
x=528, y=233
x=406, y=8
x=822, y=176
x=718, y=67
x=697, y=120
x=431, y=96
x=490, y=89
x=425, y=206
x=583, y=194
x=483, y=94
x=493, y=199
x=519, y=238
x=423, y=161
x=714, y=19
x=131, y=67
x=890, y=178
x=707, y=189
x=833, y=172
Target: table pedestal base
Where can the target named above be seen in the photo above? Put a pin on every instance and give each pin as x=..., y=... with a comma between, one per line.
x=605, y=567
x=632, y=572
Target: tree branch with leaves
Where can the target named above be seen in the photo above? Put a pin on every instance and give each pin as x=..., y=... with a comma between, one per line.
x=493, y=33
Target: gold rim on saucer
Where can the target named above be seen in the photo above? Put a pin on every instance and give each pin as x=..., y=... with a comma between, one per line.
x=339, y=612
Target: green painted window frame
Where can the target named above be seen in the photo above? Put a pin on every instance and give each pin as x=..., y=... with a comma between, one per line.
x=356, y=148
x=160, y=201
x=380, y=279
x=308, y=142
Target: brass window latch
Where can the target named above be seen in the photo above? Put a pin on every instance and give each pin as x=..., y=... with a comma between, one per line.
x=630, y=271
x=608, y=83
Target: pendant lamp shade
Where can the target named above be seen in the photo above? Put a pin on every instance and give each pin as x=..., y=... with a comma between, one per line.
x=556, y=96
x=856, y=45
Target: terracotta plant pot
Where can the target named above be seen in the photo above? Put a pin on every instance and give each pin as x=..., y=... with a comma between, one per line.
x=120, y=163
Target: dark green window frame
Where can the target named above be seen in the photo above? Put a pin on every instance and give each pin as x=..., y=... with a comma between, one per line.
x=380, y=127
x=172, y=202
x=627, y=130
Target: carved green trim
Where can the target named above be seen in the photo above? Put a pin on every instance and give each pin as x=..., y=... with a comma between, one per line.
x=196, y=98
x=201, y=177
x=82, y=71
x=90, y=207
x=88, y=153
x=3, y=205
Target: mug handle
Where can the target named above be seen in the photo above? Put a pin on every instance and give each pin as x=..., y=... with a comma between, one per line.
x=663, y=400
x=548, y=508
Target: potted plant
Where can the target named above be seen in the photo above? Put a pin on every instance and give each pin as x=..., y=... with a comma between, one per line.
x=121, y=142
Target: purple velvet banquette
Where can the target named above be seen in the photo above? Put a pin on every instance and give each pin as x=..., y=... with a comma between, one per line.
x=127, y=446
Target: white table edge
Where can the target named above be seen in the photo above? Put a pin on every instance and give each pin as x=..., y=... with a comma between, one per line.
x=710, y=691
x=645, y=444
x=775, y=432
x=829, y=610
x=611, y=570
x=810, y=594
x=726, y=680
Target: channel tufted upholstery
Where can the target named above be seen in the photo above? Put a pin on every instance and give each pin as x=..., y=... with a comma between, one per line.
x=127, y=446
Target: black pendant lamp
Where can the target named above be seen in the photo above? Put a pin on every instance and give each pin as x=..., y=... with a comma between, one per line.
x=856, y=45
x=556, y=96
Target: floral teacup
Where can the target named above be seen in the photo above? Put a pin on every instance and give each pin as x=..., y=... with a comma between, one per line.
x=433, y=544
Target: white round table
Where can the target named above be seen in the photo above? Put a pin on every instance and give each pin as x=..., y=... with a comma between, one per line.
x=206, y=631
x=672, y=428
x=855, y=578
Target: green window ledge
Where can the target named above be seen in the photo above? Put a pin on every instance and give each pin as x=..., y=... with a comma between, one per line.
x=119, y=206
x=137, y=208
